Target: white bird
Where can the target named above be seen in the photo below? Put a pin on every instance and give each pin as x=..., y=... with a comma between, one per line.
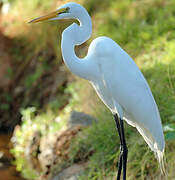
x=115, y=77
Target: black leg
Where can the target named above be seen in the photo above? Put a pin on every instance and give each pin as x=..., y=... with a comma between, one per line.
x=123, y=148
x=120, y=162
x=121, y=156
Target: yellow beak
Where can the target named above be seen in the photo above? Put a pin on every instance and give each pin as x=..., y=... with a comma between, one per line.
x=49, y=16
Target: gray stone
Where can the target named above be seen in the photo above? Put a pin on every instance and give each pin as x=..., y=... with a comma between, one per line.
x=80, y=118
x=71, y=173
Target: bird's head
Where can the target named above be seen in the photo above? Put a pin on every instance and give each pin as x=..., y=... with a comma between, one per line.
x=67, y=11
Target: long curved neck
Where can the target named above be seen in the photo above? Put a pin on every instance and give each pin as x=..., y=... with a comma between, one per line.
x=72, y=36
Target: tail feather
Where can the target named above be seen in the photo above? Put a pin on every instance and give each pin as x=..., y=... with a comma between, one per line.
x=160, y=156
x=159, y=152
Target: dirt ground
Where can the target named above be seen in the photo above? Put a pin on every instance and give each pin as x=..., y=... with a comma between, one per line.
x=7, y=170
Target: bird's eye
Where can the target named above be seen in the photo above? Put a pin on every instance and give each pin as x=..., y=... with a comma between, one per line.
x=66, y=10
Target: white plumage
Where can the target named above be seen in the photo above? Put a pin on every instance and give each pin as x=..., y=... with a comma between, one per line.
x=114, y=76
x=124, y=90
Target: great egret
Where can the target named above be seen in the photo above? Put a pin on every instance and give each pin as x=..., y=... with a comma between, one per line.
x=116, y=79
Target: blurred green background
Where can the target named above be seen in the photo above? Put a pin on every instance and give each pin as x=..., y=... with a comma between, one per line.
x=36, y=87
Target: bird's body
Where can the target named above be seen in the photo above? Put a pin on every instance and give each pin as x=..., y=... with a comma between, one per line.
x=124, y=90
x=115, y=77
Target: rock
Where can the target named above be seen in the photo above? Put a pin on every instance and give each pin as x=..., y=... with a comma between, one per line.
x=47, y=151
x=54, y=150
x=32, y=150
x=71, y=173
x=64, y=140
x=80, y=118
x=49, y=154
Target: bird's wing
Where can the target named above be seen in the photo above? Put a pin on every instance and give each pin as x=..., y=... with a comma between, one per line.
x=129, y=88
x=121, y=85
